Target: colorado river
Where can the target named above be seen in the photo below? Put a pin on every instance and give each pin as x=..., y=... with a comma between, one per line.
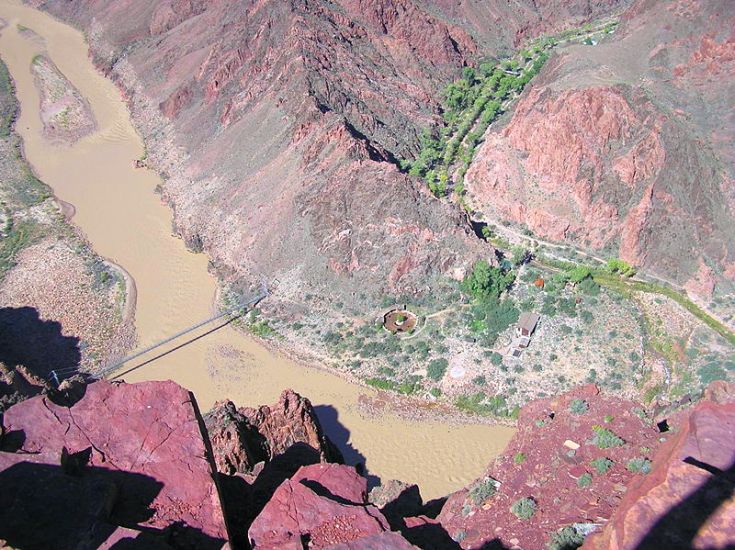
x=124, y=220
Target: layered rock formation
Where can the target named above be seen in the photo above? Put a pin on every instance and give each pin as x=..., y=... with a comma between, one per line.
x=131, y=464
x=255, y=450
x=621, y=147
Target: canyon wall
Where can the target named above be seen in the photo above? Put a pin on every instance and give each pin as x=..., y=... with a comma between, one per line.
x=624, y=147
x=278, y=125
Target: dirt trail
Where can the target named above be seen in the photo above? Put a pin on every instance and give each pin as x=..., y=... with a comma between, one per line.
x=123, y=218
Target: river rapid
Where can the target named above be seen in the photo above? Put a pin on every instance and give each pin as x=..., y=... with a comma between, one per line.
x=125, y=221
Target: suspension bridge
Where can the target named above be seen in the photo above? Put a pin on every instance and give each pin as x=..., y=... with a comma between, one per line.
x=58, y=375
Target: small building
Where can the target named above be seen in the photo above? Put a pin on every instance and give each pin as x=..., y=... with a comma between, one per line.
x=527, y=323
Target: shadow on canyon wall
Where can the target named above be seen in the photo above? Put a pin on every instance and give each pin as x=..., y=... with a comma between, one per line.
x=680, y=525
x=339, y=435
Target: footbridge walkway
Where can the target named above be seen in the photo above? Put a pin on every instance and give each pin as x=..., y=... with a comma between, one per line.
x=58, y=375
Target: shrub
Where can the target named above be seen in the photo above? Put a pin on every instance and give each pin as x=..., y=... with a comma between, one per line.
x=486, y=282
x=579, y=406
x=585, y=480
x=479, y=380
x=588, y=286
x=636, y=465
x=566, y=538
x=482, y=491
x=605, y=439
x=524, y=508
x=602, y=465
x=437, y=368
x=711, y=372
x=381, y=383
x=496, y=358
x=615, y=265
x=519, y=458
x=436, y=392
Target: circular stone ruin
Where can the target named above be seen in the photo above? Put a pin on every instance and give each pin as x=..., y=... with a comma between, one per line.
x=399, y=320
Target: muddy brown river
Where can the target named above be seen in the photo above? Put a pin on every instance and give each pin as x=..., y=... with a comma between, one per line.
x=125, y=221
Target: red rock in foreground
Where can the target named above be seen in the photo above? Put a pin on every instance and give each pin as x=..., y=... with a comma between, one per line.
x=324, y=505
x=241, y=438
x=128, y=455
x=687, y=499
x=550, y=460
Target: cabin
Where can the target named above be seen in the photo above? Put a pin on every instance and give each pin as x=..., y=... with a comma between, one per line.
x=527, y=324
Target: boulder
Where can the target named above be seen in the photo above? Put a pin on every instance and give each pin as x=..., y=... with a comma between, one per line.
x=242, y=438
x=304, y=509
x=291, y=420
x=128, y=455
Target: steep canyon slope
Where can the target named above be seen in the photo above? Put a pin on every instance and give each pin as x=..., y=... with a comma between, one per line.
x=277, y=122
x=626, y=146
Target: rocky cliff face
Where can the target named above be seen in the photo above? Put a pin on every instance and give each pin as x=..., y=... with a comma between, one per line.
x=620, y=147
x=552, y=461
x=686, y=500
x=131, y=464
x=126, y=461
x=243, y=438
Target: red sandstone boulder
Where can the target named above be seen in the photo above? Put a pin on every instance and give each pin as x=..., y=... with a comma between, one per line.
x=124, y=454
x=304, y=509
x=686, y=501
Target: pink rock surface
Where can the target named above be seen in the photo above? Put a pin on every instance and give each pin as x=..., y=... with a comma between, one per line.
x=341, y=481
x=297, y=512
x=539, y=464
x=146, y=435
x=686, y=501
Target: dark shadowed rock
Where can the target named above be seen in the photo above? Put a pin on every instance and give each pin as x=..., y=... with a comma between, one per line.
x=397, y=500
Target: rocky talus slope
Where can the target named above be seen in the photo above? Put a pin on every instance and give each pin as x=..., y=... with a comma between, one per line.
x=278, y=124
x=137, y=465
x=625, y=147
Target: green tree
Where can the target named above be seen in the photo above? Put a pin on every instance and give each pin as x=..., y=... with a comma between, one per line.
x=487, y=282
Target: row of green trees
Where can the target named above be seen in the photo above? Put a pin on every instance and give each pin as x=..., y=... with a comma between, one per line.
x=470, y=105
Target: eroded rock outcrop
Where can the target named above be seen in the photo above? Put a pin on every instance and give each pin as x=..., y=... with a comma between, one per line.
x=325, y=505
x=622, y=146
x=687, y=499
x=124, y=458
x=242, y=438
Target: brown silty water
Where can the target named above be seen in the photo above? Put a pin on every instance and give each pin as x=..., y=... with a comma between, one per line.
x=125, y=221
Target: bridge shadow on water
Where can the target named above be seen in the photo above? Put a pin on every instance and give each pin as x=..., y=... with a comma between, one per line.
x=40, y=346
